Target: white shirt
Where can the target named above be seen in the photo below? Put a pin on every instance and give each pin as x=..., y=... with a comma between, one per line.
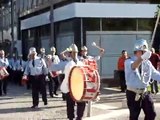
x=39, y=67
x=65, y=84
x=20, y=66
x=55, y=59
x=96, y=58
x=133, y=77
x=4, y=62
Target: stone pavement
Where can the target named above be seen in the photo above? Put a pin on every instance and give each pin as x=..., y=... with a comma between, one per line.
x=16, y=106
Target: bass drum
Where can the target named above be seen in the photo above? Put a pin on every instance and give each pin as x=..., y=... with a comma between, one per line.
x=84, y=83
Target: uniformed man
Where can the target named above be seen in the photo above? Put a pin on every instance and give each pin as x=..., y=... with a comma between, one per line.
x=84, y=54
x=38, y=70
x=65, y=87
x=3, y=82
x=49, y=79
x=42, y=53
x=12, y=64
x=20, y=66
x=55, y=61
x=138, y=72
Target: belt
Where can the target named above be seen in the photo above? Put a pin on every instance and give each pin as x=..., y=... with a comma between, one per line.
x=137, y=90
x=36, y=75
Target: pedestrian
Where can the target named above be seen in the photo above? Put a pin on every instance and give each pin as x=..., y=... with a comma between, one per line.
x=138, y=72
x=154, y=60
x=3, y=81
x=65, y=87
x=120, y=67
x=37, y=70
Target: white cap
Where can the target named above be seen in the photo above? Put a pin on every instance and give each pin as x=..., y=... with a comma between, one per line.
x=42, y=49
x=32, y=50
x=74, y=48
x=84, y=48
x=49, y=56
x=53, y=49
x=141, y=44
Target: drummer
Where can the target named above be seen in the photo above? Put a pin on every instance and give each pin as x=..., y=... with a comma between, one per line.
x=84, y=54
x=65, y=87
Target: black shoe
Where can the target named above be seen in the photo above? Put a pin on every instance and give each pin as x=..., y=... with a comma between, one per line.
x=34, y=106
x=55, y=94
x=78, y=118
x=51, y=96
x=45, y=103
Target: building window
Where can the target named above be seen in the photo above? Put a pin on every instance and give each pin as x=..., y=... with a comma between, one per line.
x=91, y=24
x=119, y=24
x=145, y=24
x=45, y=30
x=64, y=27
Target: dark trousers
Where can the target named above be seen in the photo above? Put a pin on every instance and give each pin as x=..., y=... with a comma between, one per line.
x=19, y=76
x=56, y=84
x=154, y=86
x=14, y=76
x=50, y=86
x=145, y=102
x=3, y=86
x=122, y=80
x=70, y=108
x=38, y=86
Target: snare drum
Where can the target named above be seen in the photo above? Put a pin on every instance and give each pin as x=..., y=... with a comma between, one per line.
x=84, y=83
x=3, y=73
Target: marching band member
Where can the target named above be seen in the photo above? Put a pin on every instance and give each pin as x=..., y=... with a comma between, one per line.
x=38, y=70
x=42, y=53
x=12, y=65
x=50, y=81
x=55, y=61
x=62, y=64
x=138, y=72
x=3, y=63
x=66, y=54
x=28, y=82
x=65, y=87
x=84, y=54
x=20, y=66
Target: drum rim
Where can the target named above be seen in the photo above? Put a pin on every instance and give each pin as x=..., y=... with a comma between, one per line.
x=70, y=85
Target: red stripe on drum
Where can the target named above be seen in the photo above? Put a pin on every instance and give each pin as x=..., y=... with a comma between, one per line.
x=91, y=90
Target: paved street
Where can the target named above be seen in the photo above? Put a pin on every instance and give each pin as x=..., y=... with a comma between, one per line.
x=16, y=106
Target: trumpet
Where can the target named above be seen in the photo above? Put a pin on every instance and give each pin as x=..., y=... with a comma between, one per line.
x=98, y=47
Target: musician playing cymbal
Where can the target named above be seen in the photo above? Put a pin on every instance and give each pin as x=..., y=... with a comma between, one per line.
x=65, y=87
x=138, y=73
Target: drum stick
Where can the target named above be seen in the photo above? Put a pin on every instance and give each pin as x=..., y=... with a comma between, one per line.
x=95, y=45
x=89, y=109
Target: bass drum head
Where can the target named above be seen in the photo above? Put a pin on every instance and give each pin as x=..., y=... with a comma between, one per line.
x=76, y=83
